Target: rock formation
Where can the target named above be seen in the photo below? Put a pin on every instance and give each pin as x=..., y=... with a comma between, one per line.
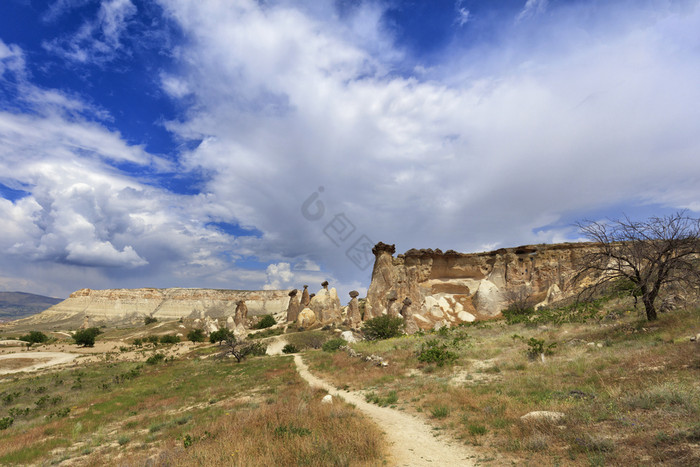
x=240, y=317
x=305, y=299
x=307, y=318
x=449, y=288
x=293, y=308
x=131, y=305
x=326, y=305
x=353, y=316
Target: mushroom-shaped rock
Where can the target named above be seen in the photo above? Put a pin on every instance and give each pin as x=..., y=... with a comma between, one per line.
x=354, y=316
x=305, y=297
x=324, y=284
x=383, y=247
x=293, y=307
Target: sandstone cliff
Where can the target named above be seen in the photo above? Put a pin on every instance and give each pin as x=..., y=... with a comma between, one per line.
x=451, y=288
x=121, y=305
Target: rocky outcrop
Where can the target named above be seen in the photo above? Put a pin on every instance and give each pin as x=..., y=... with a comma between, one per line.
x=294, y=307
x=353, y=314
x=240, y=316
x=131, y=305
x=326, y=305
x=445, y=289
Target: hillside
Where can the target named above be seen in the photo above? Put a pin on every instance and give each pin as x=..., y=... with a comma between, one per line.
x=16, y=305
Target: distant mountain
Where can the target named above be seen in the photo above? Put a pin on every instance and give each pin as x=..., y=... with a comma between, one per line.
x=16, y=305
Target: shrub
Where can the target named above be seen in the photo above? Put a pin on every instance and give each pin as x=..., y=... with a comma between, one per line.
x=440, y=411
x=138, y=342
x=6, y=422
x=169, y=339
x=86, y=337
x=149, y=320
x=333, y=344
x=155, y=340
x=35, y=337
x=536, y=347
x=155, y=358
x=433, y=351
x=266, y=322
x=196, y=335
x=383, y=327
x=290, y=348
x=307, y=339
x=220, y=335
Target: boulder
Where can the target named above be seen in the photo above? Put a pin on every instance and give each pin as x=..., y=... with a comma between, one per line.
x=307, y=318
x=349, y=337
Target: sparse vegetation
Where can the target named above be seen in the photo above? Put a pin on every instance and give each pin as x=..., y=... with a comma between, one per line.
x=169, y=339
x=433, y=351
x=240, y=349
x=149, y=320
x=289, y=348
x=217, y=337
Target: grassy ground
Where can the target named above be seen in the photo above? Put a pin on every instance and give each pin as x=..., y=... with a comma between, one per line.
x=184, y=411
x=629, y=390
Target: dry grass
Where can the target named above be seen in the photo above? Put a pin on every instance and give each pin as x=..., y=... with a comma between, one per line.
x=631, y=397
x=258, y=412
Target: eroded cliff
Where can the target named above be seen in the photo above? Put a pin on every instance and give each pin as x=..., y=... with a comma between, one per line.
x=116, y=305
x=451, y=288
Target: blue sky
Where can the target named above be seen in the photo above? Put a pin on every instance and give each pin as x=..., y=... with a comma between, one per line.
x=263, y=144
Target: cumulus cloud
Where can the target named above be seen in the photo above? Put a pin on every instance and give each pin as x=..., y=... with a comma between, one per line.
x=490, y=147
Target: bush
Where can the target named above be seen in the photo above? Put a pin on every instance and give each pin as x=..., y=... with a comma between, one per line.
x=86, y=337
x=333, y=344
x=149, y=320
x=196, y=335
x=433, y=351
x=155, y=340
x=138, y=342
x=536, y=347
x=266, y=322
x=6, y=422
x=383, y=327
x=220, y=335
x=257, y=348
x=307, y=339
x=155, y=358
x=35, y=337
x=169, y=339
x=290, y=348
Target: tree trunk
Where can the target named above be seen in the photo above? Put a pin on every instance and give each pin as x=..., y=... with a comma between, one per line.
x=650, y=309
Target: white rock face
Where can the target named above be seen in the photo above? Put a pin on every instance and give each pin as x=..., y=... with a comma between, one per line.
x=348, y=336
x=118, y=304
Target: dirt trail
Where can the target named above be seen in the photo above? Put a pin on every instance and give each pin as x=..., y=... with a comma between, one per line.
x=411, y=440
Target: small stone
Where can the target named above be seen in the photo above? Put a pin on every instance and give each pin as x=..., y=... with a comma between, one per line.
x=327, y=399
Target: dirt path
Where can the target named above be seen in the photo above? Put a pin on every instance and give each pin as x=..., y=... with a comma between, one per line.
x=412, y=442
x=30, y=361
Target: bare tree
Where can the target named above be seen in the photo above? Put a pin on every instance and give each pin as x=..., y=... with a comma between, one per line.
x=651, y=255
x=240, y=348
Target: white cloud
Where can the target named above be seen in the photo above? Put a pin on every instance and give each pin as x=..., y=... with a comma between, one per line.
x=463, y=14
x=532, y=8
x=96, y=41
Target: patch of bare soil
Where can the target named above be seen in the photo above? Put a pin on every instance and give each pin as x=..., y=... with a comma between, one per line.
x=412, y=442
x=32, y=361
